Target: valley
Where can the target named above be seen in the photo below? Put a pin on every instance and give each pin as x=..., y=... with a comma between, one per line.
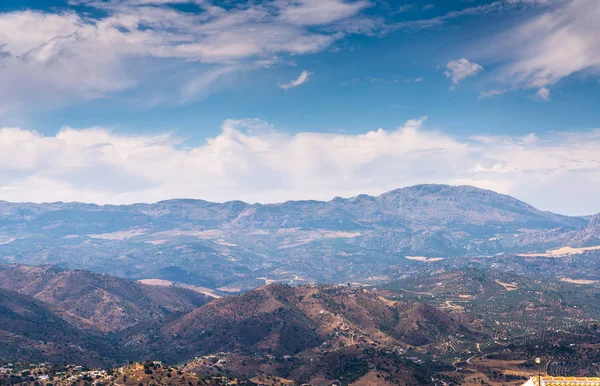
x=450, y=327
x=424, y=285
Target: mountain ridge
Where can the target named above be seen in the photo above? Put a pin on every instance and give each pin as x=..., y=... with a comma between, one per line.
x=317, y=332
x=388, y=200
x=74, y=204
x=285, y=320
x=420, y=328
x=95, y=302
x=235, y=245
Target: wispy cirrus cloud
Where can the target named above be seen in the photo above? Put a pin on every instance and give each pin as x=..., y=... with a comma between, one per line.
x=537, y=53
x=497, y=6
x=318, y=12
x=67, y=56
x=491, y=93
x=253, y=161
x=301, y=79
x=541, y=51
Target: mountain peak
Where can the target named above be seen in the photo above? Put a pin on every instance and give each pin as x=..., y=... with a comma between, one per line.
x=442, y=189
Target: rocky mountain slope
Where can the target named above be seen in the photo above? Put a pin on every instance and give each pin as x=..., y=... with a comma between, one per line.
x=501, y=303
x=31, y=332
x=313, y=334
x=95, y=302
x=284, y=320
x=593, y=228
x=417, y=330
x=307, y=333
x=235, y=245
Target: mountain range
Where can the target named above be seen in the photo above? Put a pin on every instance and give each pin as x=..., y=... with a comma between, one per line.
x=429, y=277
x=420, y=329
x=234, y=246
x=310, y=333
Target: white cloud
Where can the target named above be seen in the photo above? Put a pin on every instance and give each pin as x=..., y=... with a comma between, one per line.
x=302, y=78
x=541, y=51
x=253, y=161
x=543, y=93
x=461, y=69
x=145, y=44
x=538, y=52
x=318, y=12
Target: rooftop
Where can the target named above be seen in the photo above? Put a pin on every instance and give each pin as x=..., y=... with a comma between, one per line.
x=563, y=381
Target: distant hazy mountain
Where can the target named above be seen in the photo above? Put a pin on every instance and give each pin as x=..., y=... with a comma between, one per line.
x=235, y=245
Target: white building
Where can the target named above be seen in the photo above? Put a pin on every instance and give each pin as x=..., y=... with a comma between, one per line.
x=562, y=381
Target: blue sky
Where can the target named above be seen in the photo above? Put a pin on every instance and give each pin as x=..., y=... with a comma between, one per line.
x=496, y=81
